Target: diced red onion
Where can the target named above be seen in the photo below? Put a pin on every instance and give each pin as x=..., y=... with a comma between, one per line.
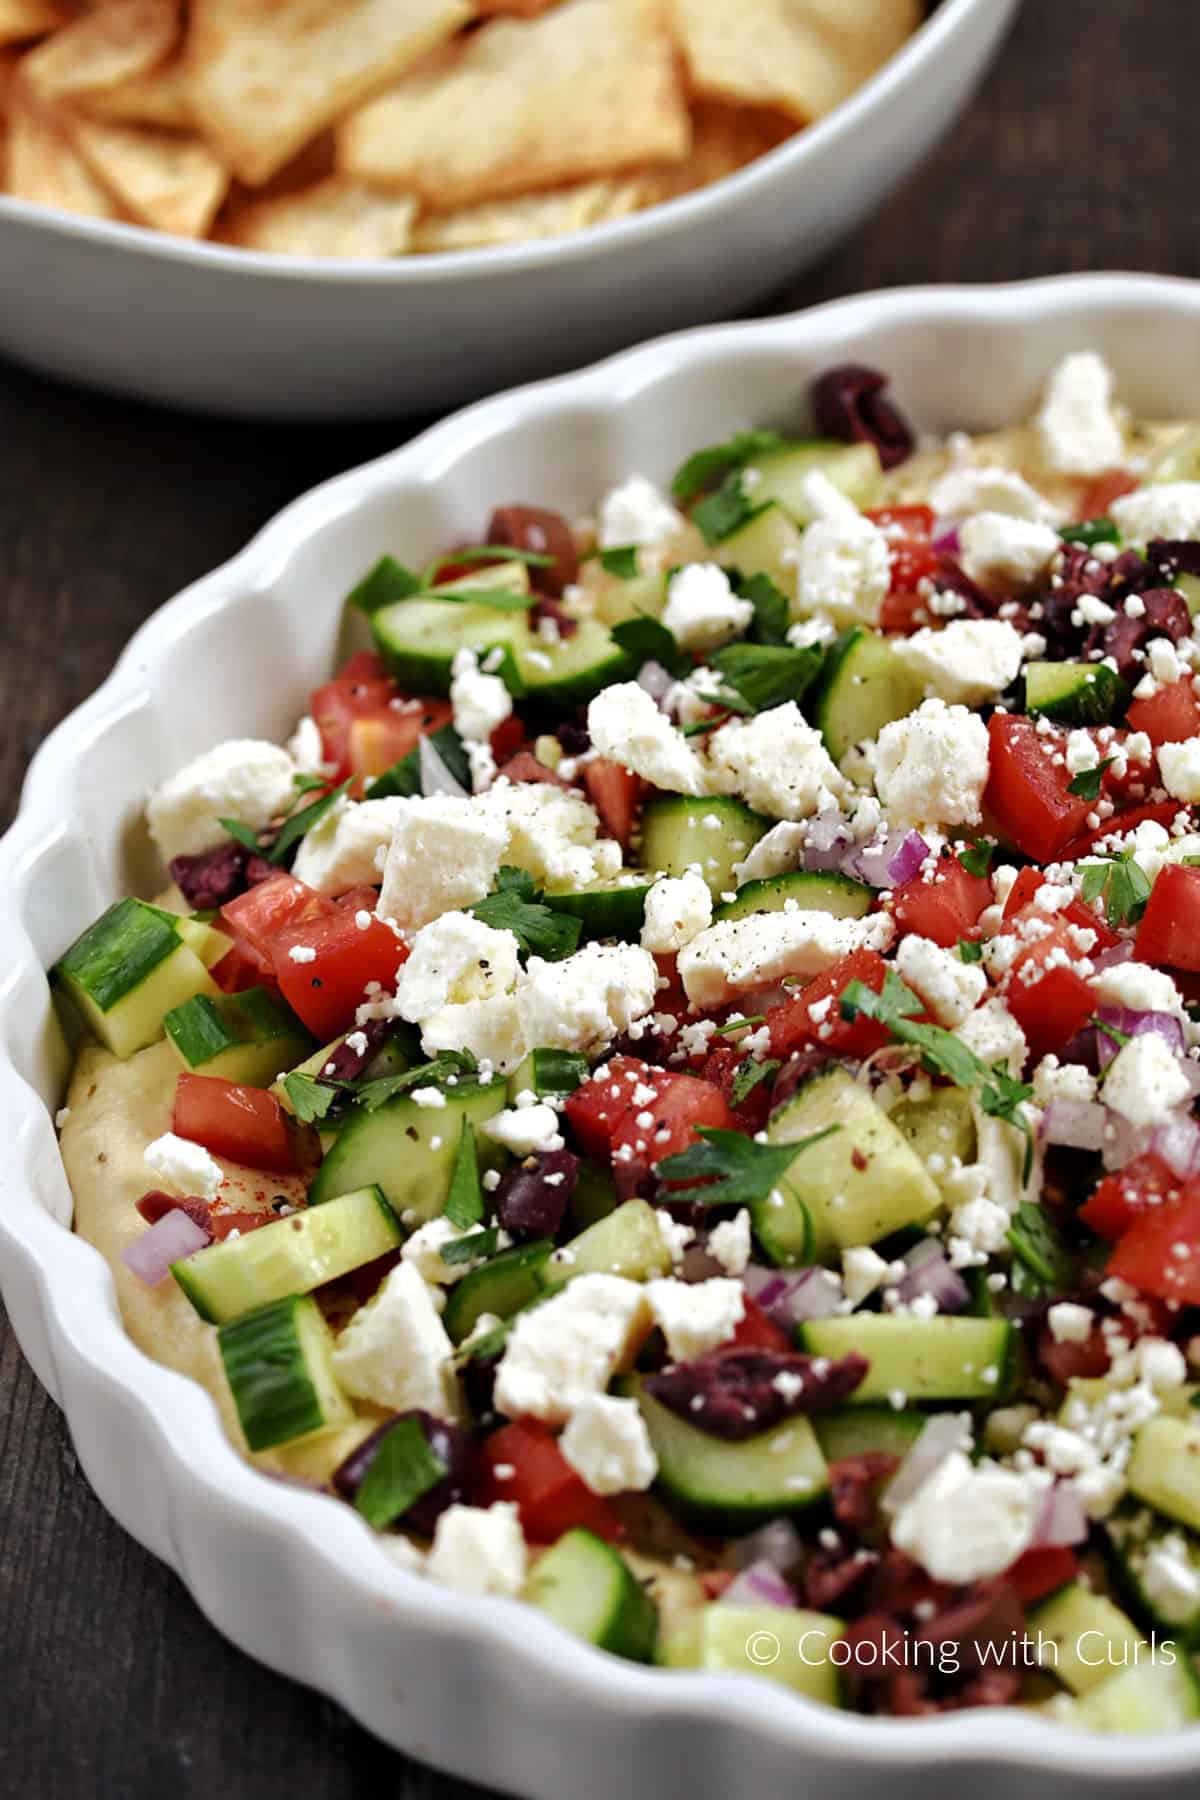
x=656, y=680
x=1062, y=1519
x=827, y=842
x=698, y=1265
x=174, y=1237
x=789, y=1295
x=1133, y=1023
x=946, y=541
x=778, y=1544
x=1123, y=1141
x=759, y=1585
x=1178, y=1143
x=930, y=1273
x=1113, y=956
x=890, y=863
x=1075, y=1124
x=435, y=776
x=944, y=1433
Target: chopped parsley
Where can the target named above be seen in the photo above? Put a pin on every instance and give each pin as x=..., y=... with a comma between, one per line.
x=646, y=640
x=480, y=1244
x=1044, y=1264
x=969, y=951
x=311, y=1099
x=302, y=822
x=464, y=1202
x=516, y=905
x=486, y=553
x=1091, y=532
x=389, y=581
x=770, y=604
x=1088, y=782
x=1004, y=1097
x=765, y=675
x=1123, y=885
x=621, y=561
x=404, y=1467
x=740, y=1171
x=976, y=859
x=748, y=1075
x=705, y=467
x=448, y=1065
x=725, y=511
x=404, y=777
x=386, y=583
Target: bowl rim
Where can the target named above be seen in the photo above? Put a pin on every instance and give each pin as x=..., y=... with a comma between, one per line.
x=932, y=38
x=196, y=1462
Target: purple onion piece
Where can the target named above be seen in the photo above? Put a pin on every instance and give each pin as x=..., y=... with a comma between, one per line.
x=1178, y=1143
x=655, y=681
x=850, y=404
x=1075, y=1124
x=533, y=1195
x=790, y=1295
x=1062, y=1519
x=889, y=863
x=450, y=1444
x=1132, y=1023
x=759, y=1585
x=930, y=1273
x=944, y=1434
x=778, y=1543
x=174, y=1237
x=946, y=541
x=735, y=1394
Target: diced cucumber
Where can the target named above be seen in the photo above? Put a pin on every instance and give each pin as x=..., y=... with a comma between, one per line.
x=611, y=909
x=923, y=1359
x=642, y=596
x=409, y=1150
x=1074, y=693
x=129, y=969
x=768, y=545
x=573, y=671
x=864, y=1180
x=867, y=1430
x=210, y=945
x=839, y=895
x=940, y=1126
x=1178, y=461
x=1189, y=587
x=556, y=1072
x=854, y=469
x=291, y=1255
x=588, y=1588
x=783, y=1227
x=594, y=1198
x=1135, y=1533
x=864, y=686
x=400, y=1050
x=678, y=832
x=248, y=1037
x=723, y=1486
x=1156, y=1695
x=787, y=1645
x=280, y=1372
x=1164, y=1469
x=627, y=1242
x=502, y=1285
x=419, y=639
x=1082, y=1637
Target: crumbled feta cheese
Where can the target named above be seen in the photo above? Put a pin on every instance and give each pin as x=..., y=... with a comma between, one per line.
x=343, y=850
x=949, y=987
x=677, y=910
x=1069, y=1322
x=424, y=1249
x=729, y=1243
x=479, y=1550
x=932, y=766
x=864, y=1272
x=626, y=725
x=606, y=1441
x=1077, y=429
x=552, y=833
x=702, y=610
x=968, y=1523
x=1179, y=767
x=526, y=1130
x=738, y=955
x=636, y=513
x=570, y=1347
x=695, y=1317
x=780, y=850
x=777, y=762
x=587, y=999
x=1139, y=987
x=1160, y=1363
x=968, y=662
x=1053, y=1080
x=431, y=1097
x=459, y=985
x=961, y=492
x=675, y=1236
x=1145, y=1081
x=306, y=748
x=845, y=570
x=394, y=1351
x=445, y=853
x=1169, y=509
x=1170, y=1580
x=994, y=1035
x=999, y=550
x=480, y=702
x=244, y=779
x=978, y=1228
x=302, y=953
x=185, y=1166
x=822, y=500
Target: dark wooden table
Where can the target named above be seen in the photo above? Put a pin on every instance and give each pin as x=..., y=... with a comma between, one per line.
x=1076, y=156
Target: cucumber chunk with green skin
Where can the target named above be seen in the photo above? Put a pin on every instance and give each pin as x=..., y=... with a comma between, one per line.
x=210, y=945
x=942, y=1125
x=867, y=1431
x=291, y=1255
x=726, y=1487
x=501, y=1286
x=854, y=469
x=642, y=596
x=248, y=1037
x=555, y=1072
x=419, y=639
x=595, y=1197
x=839, y=895
x=794, y=1646
x=570, y=673
x=862, y=1182
x=399, y=1052
x=627, y=1242
x=279, y=1367
x=409, y=1150
x=1074, y=693
x=768, y=545
x=714, y=834
x=611, y=909
x=588, y=1588
x=1164, y=1469
x=1082, y=1637
x=783, y=1226
x=865, y=685
x=127, y=971
x=923, y=1359
x=1157, y=1695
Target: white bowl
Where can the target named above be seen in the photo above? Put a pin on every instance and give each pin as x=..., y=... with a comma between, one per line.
x=485, y=1688
x=222, y=330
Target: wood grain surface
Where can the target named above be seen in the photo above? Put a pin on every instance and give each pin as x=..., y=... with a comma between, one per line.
x=1077, y=155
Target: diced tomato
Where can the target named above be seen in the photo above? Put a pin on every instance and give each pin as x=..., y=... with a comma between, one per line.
x=260, y=914
x=680, y=1104
x=323, y=990
x=720, y=1067
x=1038, y=1573
x=945, y=908
x=1067, y=1362
x=902, y=613
x=793, y=1027
x=1099, y=494
x=909, y=530
x=222, y=1224
x=357, y=899
x=757, y=1331
x=1169, y=716
x=1046, y=995
x=380, y=737
x=1170, y=928
x=1021, y=899
x=1022, y=892
x=616, y=793
x=1160, y=1252
x=1027, y=790
x=525, y=767
x=507, y=738
x=1161, y=812
x=550, y=1496
x=246, y=1124
x=241, y=968
x=596, y=1109
x=1121, y=1197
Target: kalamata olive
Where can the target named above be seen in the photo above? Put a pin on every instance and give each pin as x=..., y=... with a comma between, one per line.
x=850, y=404
x=544, y=532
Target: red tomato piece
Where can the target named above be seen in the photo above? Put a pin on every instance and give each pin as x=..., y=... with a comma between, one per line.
x=1099, y=494
x=616, y=793
x=222, y=1224
x=903, y=612
x=1066, y=1362
x=757, y=1331
x=257, y=916
x=596, y=1109
x=793, y=1027
x=324, y=989
x=1162, y=812
x=945, y=908
x=507, y=738
x=241, y=968
x=246, y=1124
x=1046, y=995
x=1160, y=1252
x=363, y=686
x=1169, y=716
x=525, y=767
x=1020, y=903
x=1039, y=1573
x=1121, y=1197
x=1170, y=928
x=1027, y=790
x=909, y=530
x=720, y=1067
x=550, y=1496
x=680, y=1104
x=1022, y=892
x=380, y=736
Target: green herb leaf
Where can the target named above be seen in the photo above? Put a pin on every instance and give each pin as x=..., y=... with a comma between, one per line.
x=703, y=469
x=770, y=609
x=302, y=822
x=306, y=784
x=404, y=1467
x=895, y=1009
x=311, y=1099
x=456, y=1063
x=1090, y=532
x=969, y=951
x=742, y=1173
x=732, y=1025
x=645, y=640
x=976, y=859
x=498, y=599
x=1041, y=1251
x=621, y=561
x=404, y=777
x=766, y=675
x=747, y=1076
x=464, y=1202
x=1003, y=1097
x=486, y=553
x=1088, y=782
x=386, y=583
x=481, y=1244
x=1122, y=883
x=1120, y=1038
x=726, y=511
x=516, y=906
x=242, y=834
